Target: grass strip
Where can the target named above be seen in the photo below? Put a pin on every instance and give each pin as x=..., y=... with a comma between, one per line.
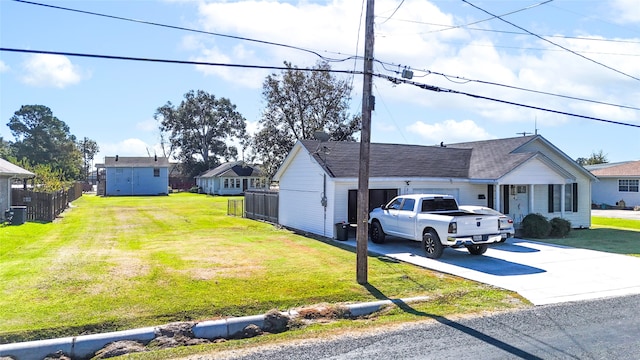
x=114, y=263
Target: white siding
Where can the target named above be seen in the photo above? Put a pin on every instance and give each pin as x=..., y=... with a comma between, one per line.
x=533, y=172
x=606, y=191
x=300, y=194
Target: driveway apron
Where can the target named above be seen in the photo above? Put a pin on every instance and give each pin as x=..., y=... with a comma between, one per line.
x=541, y=273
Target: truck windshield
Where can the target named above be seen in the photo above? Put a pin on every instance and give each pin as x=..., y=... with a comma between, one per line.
x=439, y=204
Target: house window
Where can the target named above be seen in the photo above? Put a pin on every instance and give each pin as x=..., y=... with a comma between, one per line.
x=237, y=183
x=568, y=197
x=156, y=172
x=628, y=185
x=226, y=183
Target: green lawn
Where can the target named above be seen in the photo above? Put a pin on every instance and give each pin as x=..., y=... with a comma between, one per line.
x=619, y=236
x=121, y=262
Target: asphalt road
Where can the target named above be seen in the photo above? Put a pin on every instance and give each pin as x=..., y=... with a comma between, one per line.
x=596, y=329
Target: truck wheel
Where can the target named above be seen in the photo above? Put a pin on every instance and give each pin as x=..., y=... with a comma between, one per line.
x=431, y=244
x=377, y=235
x=477, y=249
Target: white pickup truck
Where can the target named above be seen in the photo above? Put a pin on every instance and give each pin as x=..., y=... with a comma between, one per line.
x=436, y=221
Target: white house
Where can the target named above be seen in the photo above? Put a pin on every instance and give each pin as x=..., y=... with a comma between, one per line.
x=619, y=182
x=318, y=181
x=9, y=171
x=232, y=178
x=135, y=176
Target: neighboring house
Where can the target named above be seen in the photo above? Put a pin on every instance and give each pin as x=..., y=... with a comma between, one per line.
x=517, y=176
x=232, y=178
x=8, y=172
x=134, y=176
x=618, y=182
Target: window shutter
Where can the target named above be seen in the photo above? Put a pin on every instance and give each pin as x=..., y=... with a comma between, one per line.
x=490, y=201
x=575, y=197
x=550, y=198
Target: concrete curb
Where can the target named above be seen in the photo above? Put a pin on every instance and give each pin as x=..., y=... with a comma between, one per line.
x=87, y=345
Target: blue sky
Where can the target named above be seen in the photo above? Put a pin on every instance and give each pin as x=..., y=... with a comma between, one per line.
x=113, y=101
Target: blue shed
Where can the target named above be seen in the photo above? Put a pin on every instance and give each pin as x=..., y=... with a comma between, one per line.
x=136, y=175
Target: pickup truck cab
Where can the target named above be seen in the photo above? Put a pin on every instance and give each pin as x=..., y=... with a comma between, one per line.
x=436, y=221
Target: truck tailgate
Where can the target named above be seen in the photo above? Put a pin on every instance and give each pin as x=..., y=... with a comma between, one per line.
x=477, y=225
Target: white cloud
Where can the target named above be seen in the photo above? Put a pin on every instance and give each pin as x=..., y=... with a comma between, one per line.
x=626, y=11
x=449, y=131
x=3, y=67
x=128, y=147
x=45, y=70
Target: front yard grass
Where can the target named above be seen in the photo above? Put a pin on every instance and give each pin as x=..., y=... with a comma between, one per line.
x=620, y=236
x=117, y=263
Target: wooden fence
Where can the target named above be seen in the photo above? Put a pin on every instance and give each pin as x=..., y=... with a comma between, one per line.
x=45, y=207
x=261, y=205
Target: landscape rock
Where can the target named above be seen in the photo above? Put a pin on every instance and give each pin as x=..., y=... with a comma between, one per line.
x=119, y=348
x=59, y=355
x=184, y=329
x=250, y=331
x=275, y=322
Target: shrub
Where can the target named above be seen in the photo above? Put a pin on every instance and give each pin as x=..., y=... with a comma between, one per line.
x=536, y=226
x=560, y=227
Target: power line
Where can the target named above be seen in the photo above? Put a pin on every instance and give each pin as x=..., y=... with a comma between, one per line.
x=168, y=61
x=440, y=89
x=463, y=80
x=393, y=13
x=491, y=18
x=387, y=77
x=551, y=42
x=264, y=42
x=467, y=26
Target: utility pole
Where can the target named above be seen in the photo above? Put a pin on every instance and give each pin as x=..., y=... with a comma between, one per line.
x=362, y=230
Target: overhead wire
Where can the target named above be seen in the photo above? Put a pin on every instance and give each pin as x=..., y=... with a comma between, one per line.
x=264, y=42
x=387, y=77
x=553, y=43
x=351, y=57
x=462, y=80
x=393, y=13
x=445, y=90
x=169, y=61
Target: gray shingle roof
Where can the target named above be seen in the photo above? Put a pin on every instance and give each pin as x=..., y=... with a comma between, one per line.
x=391, y=160
x=234, y=168
x=11, y=170
x=490, y=159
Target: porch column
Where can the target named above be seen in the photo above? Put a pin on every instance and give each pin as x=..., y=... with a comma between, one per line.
x=496, y=194
x=531, y=199
x=562, y=199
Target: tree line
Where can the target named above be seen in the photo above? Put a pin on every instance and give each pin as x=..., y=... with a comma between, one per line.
x=203, y=130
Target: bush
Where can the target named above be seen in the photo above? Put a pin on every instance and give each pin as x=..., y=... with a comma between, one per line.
x=560, y=227
x=536, y=226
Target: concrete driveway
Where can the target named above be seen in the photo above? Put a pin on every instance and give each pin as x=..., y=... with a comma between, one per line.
x=542, y=273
